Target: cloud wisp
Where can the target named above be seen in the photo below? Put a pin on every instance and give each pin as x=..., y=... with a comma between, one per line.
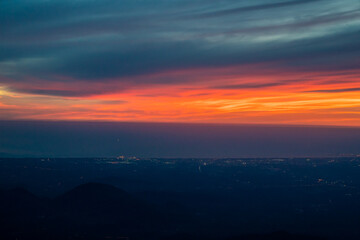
x=179, y=53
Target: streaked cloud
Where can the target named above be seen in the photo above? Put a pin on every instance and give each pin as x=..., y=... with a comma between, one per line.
x=337, y=90
x=158, y=58
x=256, y=7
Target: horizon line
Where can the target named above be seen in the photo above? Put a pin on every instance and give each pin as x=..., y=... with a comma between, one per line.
x=183, y=123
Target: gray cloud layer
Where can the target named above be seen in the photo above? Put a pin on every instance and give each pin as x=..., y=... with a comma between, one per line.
x=264, y=6
x=123, y=41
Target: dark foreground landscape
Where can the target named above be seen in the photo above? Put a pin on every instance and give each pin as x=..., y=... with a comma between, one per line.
x=131, y=198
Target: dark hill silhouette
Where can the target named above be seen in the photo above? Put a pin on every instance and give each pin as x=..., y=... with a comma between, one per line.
x=96, y=211
x=96, y=193
x=20, y=213
x=17, y=196
x=96, y=203
x=20, y=205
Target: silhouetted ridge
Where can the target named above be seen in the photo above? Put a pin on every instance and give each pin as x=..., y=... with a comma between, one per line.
x=96, y=193
x=97, y=211
x=18, y=202
x=17, y=194
x=98, y=203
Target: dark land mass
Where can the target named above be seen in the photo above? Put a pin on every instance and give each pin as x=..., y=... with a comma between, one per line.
x=100, y=211
x=225, y=199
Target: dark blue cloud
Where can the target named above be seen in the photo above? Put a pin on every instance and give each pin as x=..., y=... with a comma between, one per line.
x=336, y=90
x=250, y=85
x=127, y=40
x=56, y=92
x=256, y=7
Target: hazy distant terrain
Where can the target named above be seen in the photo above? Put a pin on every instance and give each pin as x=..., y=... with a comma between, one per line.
x=111, y=139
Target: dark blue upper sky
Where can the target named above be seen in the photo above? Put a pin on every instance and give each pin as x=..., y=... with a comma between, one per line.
x=93, y=40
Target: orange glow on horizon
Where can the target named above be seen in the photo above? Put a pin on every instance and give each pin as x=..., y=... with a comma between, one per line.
x=216, y=97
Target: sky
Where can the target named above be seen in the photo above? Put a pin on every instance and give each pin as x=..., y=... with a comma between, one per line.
x=204, y=61
x=174, y=140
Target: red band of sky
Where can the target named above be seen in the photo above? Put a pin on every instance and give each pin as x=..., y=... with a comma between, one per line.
x=224, y=95
x=284, y=62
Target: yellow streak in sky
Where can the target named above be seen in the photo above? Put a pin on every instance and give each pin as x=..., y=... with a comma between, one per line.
x=291, y=103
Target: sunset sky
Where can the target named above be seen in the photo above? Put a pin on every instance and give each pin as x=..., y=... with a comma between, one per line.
x=204, y=61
